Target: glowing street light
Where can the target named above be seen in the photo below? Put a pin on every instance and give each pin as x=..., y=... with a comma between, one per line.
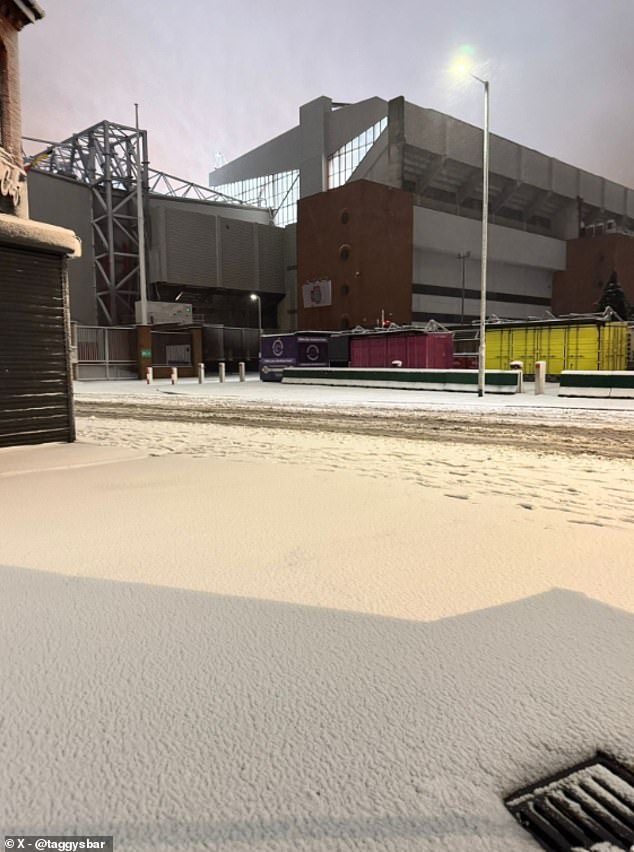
x=463, y=66
x=255, y=298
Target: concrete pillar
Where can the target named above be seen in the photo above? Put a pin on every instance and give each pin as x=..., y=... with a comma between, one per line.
x=221, y=371
x=242, y=371
x=313, y=177
x=201, y=374
x=174, y=375
x=396, y=141
x=149, y=375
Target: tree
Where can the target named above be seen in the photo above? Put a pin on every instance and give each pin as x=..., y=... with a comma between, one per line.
x=614, y=297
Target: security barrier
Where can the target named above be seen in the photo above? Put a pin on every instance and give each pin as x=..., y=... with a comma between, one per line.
x=598, y=383
x=466, y=381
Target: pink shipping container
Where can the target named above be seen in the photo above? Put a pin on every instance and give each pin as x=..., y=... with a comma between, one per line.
x=414, y=350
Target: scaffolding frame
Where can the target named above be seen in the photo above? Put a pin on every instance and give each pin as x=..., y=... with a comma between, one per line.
x=112, y=159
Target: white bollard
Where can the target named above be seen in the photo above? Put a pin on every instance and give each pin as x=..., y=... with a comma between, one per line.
x=221, y=371
x=540, y=377
x=242, y=371
x=174, y=375
x=201, y=374
x=149, y=375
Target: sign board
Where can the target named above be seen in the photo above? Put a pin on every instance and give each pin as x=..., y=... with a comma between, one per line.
x=317, y=294
x=146, y=353
x=291, y=350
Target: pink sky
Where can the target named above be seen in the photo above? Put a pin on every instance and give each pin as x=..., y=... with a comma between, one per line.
x=225, y=77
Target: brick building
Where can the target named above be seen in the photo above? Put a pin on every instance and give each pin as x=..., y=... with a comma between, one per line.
x=590, y=260
x=35, y=388
x=383, y=201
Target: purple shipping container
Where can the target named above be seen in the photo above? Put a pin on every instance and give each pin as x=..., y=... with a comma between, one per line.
x=413, y=350
x=298, y=349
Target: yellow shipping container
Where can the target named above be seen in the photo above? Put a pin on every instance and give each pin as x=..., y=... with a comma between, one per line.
x=574, y=346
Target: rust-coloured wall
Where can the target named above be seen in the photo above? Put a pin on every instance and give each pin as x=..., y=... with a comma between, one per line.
x=589, y=263
x=378, y=270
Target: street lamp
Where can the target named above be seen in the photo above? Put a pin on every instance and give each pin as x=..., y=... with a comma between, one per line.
x=463, y=67
x=255, y=298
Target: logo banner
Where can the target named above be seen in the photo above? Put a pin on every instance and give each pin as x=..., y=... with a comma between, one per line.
x=317, y=294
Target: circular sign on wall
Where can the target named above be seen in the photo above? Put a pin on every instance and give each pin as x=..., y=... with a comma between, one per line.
x=278, y=347
x=312, y=352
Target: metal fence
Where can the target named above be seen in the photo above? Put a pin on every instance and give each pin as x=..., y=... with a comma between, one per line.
x=106, y=353
x=230, y=343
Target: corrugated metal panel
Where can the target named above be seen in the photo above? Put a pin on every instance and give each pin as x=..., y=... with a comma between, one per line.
x=190, y=248
x=238, y=254
x=568, y=347
x=271, y=258
x=413, y=351
x=613, y=347
x=35, y=388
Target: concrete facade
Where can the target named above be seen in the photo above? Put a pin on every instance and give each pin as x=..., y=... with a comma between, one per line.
x=322, y=130
x=536, y=204
x=69, y=204
x=519, y=270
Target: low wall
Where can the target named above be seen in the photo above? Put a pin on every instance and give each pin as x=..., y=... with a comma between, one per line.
x=497, y=381
x=609, y=384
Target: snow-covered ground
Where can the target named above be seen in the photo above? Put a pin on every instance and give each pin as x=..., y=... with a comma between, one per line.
x=219, y=637
x=253, y=390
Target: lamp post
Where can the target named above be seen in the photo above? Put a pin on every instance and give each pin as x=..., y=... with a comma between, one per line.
x=256, y=298
x=485, y=223
x=463, y=66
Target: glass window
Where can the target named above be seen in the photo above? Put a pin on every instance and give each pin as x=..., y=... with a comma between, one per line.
x=278, y=192
x=345, y=160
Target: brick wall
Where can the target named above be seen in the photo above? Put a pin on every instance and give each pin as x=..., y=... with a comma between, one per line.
x=10, y=126
x=360, y=238
x=589, y=263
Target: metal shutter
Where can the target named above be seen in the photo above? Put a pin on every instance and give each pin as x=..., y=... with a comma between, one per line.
x=35, y=385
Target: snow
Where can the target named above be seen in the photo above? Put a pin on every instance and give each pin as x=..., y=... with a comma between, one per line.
x=255, y=391
x=217, y=637
x=40, y=235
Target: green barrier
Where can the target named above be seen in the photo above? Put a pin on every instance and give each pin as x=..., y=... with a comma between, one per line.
x=497, y=381
x=614, y=384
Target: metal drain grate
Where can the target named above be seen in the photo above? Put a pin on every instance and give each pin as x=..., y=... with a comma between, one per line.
x=589, y=806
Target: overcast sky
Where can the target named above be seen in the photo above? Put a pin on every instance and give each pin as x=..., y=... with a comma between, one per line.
x=214, y=76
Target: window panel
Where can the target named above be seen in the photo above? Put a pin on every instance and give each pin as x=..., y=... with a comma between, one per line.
x=346, y=159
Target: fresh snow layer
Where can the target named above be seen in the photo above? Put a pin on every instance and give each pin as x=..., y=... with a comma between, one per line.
x=255, y=391
x=249, y=639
